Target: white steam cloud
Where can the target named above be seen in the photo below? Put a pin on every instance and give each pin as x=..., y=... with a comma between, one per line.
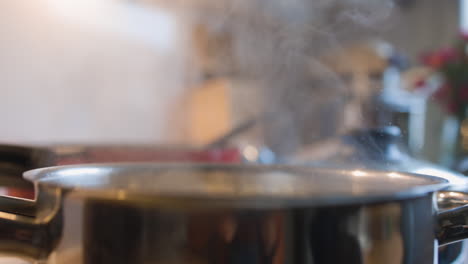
x=280, y=43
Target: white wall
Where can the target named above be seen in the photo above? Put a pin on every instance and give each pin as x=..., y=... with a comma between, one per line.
x=84, y=71
x=422, y=26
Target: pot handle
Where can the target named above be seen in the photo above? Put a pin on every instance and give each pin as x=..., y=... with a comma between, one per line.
x=26, y=234
x=453, y=217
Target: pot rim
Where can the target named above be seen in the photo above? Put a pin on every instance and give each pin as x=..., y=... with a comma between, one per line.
x=271, y=185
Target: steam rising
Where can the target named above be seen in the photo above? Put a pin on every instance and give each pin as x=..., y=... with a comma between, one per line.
x=99, y=58
x=281, y=44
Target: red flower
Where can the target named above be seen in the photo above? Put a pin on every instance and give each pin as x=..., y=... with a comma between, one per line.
x=464, y=35
x=431, y=60
x=420, y=84
x=463, y=95
x=443, y=96
x=448, y=55
x=451, y=64
x=442, y=93
x=452, y=107
x=440, y=58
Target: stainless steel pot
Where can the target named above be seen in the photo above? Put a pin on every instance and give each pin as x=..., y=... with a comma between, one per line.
x=383, y=149
x=173, y=213
x=16, y=159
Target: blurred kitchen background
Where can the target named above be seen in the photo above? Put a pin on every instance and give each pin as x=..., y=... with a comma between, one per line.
x=288, y=77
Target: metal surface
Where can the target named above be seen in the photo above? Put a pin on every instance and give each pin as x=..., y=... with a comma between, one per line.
x=376, y=149
x=383, y=149
x=447, y=200
x=453, y=225
x=28, y=231
x=16, y=159
x=238, y=184
x=387, y=233
x=93, y=214
x=237, y=130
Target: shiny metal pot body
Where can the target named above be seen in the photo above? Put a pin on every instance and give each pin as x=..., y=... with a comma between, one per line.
x=389, y=233
x=114, y=225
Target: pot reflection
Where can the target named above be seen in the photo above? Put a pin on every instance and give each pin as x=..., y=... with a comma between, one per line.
x=388, y=233
x=242, y=238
